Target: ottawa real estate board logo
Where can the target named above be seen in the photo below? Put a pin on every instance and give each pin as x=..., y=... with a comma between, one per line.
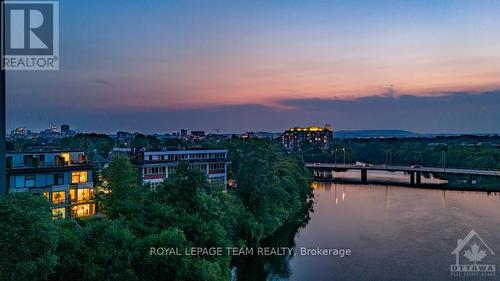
x=471, y=256
x=31, y=34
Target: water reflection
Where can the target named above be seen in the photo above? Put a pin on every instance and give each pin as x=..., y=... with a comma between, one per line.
x=255, y=268
x=395, y=233
x=384, y=176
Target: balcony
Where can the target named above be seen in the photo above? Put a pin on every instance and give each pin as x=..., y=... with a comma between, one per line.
x=154, y=176
x=220, y=171
x=40, y=161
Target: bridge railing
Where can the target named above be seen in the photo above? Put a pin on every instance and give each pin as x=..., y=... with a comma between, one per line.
x=423, y=169
x=340, y=165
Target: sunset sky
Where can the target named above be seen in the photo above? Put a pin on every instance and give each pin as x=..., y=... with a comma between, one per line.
x=157, y=66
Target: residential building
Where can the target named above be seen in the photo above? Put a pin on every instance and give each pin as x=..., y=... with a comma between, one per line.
x=296, y=138
x=63, y=177
x=155, y=166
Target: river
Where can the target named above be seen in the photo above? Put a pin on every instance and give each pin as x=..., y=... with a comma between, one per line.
x=394, y=233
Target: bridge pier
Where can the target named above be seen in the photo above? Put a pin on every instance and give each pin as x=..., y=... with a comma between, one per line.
x=325, y=174
x=364, y=176
x=415, y=178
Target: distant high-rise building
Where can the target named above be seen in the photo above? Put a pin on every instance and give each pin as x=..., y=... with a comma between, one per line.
x=184, y=133
x=65, y=130
x=296, y=138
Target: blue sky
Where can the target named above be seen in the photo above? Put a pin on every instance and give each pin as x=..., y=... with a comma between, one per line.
x=156, y=66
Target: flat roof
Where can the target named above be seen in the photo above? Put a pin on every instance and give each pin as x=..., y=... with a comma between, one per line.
x=45, y=151
x=165, y=152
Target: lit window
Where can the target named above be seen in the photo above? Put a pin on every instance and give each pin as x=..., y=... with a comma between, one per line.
x=84, y=194
x=66, y=157
x=46, y=194
x=58, y=197
x=59, y=213
x=83, y=210
x=72, y=195
x=79, y=177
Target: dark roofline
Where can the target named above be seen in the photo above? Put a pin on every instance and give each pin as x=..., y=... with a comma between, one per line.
x=43, y=151
x=48, y=169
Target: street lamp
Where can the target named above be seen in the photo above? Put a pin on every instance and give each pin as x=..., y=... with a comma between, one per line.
x=343, y=149
x=443, y=157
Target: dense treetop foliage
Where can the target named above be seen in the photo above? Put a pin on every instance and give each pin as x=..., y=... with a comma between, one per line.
x=186, y=211
x=28, y=238
x=462, y=151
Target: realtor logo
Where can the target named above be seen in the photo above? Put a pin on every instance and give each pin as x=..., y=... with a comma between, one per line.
x=469, y=255
x=31, y=35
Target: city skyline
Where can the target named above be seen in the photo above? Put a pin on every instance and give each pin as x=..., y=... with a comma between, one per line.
x=256, y=66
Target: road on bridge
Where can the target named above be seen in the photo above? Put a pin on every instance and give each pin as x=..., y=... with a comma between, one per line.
x=475, y=172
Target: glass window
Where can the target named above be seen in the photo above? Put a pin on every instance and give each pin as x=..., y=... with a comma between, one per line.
x=66, y=157
x=72, y=194
x=19, y=181
x=30, y=181
x=83, y=210
x=84, y=194
x=59, y=213
x=79, y=177
x=58, y=197
x=58, y=179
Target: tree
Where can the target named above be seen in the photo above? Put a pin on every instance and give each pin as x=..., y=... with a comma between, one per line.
x=185, y=211
x=99, y=249
x=272, y=188
x=126, y=197
x=141, y=141
x=28, y=238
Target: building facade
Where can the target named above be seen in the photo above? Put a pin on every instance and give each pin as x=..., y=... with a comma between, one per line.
x=63, y=177
x=155, y=166
x=296, y=138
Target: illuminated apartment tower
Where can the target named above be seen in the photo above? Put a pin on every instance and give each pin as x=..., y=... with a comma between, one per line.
x=296, y=138
x=63, y=177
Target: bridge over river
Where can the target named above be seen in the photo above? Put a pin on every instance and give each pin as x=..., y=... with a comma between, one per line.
x=326, y=170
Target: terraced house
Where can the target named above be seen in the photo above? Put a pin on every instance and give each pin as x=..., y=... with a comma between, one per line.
x=63, y=177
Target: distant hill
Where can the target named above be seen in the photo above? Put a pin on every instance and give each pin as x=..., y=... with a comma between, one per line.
x=347, y=134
